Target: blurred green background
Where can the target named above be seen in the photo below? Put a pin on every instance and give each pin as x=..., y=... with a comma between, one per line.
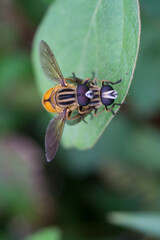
x=75, y=194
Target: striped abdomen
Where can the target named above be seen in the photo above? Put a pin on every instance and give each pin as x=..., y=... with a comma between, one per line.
x=66, y=97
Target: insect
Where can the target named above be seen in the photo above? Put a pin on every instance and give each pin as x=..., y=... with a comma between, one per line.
x=62, y=99
x=102, y=96
x=81, y=96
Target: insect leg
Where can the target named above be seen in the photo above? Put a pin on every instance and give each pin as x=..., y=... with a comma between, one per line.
x=111, y=109
x=74, y=76
x=95, y=112
x=75, y=79
x=72, y=118
x=86, y=80
x=82, y=110
x=93, y=75
x=113, y=83
x=78, y=116
x=108, y=110
x=84, y=120
x=95, y=82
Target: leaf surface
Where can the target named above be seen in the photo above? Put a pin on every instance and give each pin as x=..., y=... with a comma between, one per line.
x=53, y=233
x=85, y=36
x=147, y=223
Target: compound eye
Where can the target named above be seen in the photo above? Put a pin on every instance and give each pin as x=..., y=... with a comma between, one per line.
x=106, y=88
x=106, y=97
x=82, y=99
x=107, y=101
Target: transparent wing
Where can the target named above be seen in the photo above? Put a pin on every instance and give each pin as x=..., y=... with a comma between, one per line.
x=78, y=117
x=54, y=134
x=49, y=64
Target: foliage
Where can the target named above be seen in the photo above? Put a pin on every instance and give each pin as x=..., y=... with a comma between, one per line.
x=144, y=222
x=106, y=42
x=108, y=192
x=46, y=234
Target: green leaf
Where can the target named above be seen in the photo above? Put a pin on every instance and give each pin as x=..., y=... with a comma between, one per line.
x=85, y=36
x=53, y=233
x=147, y=223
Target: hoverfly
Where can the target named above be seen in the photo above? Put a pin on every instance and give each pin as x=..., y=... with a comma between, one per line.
x=104, y=95
x=62, y=99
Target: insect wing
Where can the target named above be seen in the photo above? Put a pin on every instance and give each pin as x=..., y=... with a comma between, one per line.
x=53, y=135
x=75, y=81
x=49, y=64
x=78, y=117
